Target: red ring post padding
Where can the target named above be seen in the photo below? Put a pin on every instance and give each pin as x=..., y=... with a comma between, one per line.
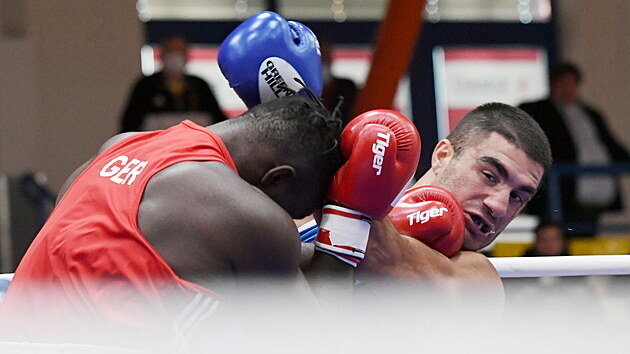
x=395, y=42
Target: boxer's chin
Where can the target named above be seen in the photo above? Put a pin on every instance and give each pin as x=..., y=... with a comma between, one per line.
x=473, y=241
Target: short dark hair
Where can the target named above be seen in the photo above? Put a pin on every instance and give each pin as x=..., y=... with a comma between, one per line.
x=306, y=133
x=565, y=68
x=516, y=126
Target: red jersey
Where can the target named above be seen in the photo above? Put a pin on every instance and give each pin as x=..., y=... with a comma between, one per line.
x=91, y=262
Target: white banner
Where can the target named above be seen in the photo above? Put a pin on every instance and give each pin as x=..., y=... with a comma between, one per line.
x=468, y=77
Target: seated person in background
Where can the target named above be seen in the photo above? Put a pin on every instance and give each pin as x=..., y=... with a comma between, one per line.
x=578, y=135
x=169, y=96
x=549, y=240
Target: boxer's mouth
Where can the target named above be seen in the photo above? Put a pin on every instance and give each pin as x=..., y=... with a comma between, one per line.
x=482, y=225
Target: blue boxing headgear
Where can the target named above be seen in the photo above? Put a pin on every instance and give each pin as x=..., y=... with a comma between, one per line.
x=265, y=54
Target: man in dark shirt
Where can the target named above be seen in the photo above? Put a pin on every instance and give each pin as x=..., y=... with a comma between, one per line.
x=578, y=135
x=170, y=95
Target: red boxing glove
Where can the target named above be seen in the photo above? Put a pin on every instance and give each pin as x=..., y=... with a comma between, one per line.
x=381, y=149
x=432, y=215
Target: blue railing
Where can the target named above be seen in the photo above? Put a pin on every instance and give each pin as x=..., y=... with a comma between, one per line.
x=558, y=171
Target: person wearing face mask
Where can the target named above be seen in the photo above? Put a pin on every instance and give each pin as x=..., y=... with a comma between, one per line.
x=170, y=96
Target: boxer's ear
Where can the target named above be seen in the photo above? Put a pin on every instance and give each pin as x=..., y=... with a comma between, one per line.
x=442, y=155
x=276, y=175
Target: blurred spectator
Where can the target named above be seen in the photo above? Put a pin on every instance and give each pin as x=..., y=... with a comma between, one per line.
x=549, y=241
x=578, y=135
x=334, y=87
x=170, y=95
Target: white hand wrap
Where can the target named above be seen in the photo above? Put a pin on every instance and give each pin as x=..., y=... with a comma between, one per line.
x=343, y=233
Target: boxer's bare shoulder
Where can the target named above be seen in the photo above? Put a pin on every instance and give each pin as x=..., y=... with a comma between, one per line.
x=463, y=277
x=222, y=224
x=111, y=141
x=392, y=254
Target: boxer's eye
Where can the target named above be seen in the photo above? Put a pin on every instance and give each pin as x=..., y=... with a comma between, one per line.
x=516, y=197
x=489, y=177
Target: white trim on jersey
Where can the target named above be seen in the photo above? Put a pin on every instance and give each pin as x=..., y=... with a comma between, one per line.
x=201, y=307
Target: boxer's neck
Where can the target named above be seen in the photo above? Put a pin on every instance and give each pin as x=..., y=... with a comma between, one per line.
x=427, y=179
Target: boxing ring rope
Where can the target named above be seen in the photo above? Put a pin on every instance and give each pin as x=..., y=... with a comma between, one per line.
x=533, y=267
x=558, y=171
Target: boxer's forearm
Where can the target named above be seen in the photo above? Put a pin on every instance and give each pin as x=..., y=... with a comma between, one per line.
x=475, y=284
x=331, y=280
x=306, y=256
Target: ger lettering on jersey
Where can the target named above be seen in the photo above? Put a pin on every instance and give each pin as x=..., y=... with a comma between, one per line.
x=122, y=171
x=97, y=272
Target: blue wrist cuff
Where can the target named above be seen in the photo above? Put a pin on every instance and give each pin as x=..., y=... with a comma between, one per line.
x=308, y=231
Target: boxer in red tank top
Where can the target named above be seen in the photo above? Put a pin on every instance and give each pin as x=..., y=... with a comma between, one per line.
x=142, y=230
